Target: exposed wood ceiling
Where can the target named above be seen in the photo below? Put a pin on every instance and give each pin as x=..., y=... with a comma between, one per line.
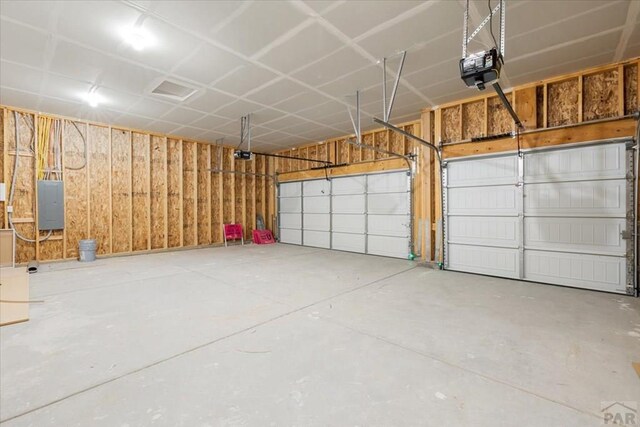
x=290, y=63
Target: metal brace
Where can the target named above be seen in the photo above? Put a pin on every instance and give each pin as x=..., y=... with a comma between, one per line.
x=466, y=40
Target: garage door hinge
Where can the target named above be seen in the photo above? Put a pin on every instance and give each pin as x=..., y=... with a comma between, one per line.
x=626, y=235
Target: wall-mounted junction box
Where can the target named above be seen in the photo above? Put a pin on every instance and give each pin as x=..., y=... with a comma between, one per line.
x=50, y=205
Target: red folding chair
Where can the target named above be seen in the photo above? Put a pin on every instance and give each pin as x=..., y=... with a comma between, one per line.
x=232, y=232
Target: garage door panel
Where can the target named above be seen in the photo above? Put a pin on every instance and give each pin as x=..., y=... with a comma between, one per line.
x=349, y=185
x=483, y=201
x=291, y=221
x=595, y=235
x=389, y=225
x=587, y=163
x=583, y=198
x=291, y=236
x=388, y=183
x=482, y=172
x=396, y=247
x=290, y=189
x=484, y=260
x=317, y=239
x=291, y=205
x=348, y=242
x=316, y=204
x=603, y=273
x=345, y=223
x=317, y=222
x=316, y=188
x=483, y=230
x=348, y=204
x=388, y=204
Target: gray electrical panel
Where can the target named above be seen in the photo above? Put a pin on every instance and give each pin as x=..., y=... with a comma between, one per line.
x=50, y=205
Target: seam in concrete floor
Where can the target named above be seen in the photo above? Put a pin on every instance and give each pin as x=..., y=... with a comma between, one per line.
x=175, y=356
x=453, y=365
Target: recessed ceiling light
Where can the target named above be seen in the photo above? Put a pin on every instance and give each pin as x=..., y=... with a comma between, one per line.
x=137, y=37
x=92, y=98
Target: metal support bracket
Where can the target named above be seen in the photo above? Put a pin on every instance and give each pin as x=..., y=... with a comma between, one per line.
x=466, y=39
x=387, y=107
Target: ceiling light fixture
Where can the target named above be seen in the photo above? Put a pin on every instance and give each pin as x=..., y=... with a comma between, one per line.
x=137, y=37
x=92, y=98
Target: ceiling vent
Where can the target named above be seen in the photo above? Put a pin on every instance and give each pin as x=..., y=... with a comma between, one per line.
x=172, y=90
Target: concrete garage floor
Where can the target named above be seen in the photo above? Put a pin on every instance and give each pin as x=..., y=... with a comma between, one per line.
x=284, y=335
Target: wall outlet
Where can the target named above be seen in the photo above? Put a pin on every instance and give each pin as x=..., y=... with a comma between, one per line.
x=9, y=209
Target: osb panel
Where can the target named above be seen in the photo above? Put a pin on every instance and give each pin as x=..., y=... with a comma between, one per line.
x=323, y=152
x=562, y=103
x=451, y=124
x=120, y=190
x=188, y=193
x=75, y=182
x=52, y=248
x=539, y=107
x=472, y=119
x=600, y=95
x=238, y=199
x=158, y=191
x=312, y=153
x=2, y=208
x=500, y=121
x=366, y=153
x=140, y=183
x=410, y=146
x=24, y=193
x=343, y=152
x=203, y=194
x=174, y=171
x=382, y=143
x=631, y=89
x=99, y=215
x=396, y=144
x=259, y=186
x=356, y=154
x=228, y=186
x=216, y=196
x=249, y=199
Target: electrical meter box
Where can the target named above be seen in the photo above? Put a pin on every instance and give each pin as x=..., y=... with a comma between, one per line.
x=50, y=205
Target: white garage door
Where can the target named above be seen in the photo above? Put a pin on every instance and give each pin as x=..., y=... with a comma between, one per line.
x=290, y=209
x=556, y=216
x=364, y=213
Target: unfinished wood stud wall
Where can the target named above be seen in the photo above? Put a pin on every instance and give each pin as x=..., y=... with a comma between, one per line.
x=131, y=191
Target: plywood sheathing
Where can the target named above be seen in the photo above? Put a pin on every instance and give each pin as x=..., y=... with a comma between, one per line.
x=228, y=187
x=3, y=113
x=189, y=193
x=174, y=193
x=238, y=199
x=540, y=107
x=451, y=130
x=526, y=107
x=121, y=190
x=158, y=191
x=75, y=179
x=562, y=103
x=216, y=194
x=473, y=119
x=140, y=158
x=600, y=95
x=99, y=176
x=499, y=119
x=631, y=89
x=203, y=194
x=249, y=200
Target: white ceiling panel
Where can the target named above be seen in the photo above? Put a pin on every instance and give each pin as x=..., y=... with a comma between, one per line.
x=247, y=32
x=238, y=109
x=342, y=16
x=208, y=100
x=245, y=79
x=189, y=132
x=208, y=64
x=20, y=76
x=428, y=24
x=306, y=46
x=10, y=96
x=334, y=66
x=210, y=122
x=151, y=108
x=278, y=91
x=183, y=115
x=272, y=58
x=21, y=44
x=301, y=102
x=201, y=16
